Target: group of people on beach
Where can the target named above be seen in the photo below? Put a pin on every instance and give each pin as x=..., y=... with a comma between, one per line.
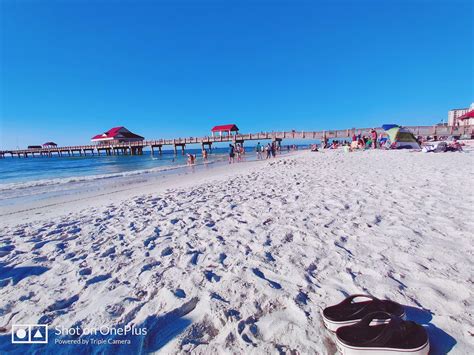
x=236, y=151
x=267, y=151
x=270, y=150
x=358, y=142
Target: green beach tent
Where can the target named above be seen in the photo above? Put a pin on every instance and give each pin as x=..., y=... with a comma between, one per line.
x=400, y=137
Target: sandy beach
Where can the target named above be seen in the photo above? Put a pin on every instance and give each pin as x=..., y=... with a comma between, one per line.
x=242, y=258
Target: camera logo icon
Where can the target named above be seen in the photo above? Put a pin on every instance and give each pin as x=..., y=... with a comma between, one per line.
x=30, y=334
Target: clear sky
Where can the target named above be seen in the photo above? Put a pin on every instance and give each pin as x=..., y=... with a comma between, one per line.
x=164, y=69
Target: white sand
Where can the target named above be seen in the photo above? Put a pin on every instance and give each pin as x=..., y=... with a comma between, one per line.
x=241, y=259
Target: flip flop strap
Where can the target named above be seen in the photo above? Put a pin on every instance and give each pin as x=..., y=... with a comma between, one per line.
x=349, y=300
x=389, y=329
x=353, y=297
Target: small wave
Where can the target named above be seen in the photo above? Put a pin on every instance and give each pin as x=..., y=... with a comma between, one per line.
x=86, y=178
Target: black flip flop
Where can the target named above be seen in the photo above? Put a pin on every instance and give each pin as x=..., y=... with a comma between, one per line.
x=397, y=337
x=348, y=312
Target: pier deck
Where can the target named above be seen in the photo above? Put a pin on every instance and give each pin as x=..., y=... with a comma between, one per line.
x=136, y=148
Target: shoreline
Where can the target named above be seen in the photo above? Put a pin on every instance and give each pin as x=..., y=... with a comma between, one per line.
x=119, y=189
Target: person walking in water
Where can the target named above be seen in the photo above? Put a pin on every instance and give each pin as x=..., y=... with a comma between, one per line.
x=204, y=155
x=258, y=149
x=191, y=159
x=231, y=154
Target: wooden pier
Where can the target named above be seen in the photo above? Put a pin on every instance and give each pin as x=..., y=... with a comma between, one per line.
x=136, y=148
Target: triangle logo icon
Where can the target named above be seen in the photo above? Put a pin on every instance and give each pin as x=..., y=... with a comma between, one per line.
x=38, y=334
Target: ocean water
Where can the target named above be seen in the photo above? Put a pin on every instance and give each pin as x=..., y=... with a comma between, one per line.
x=21, y=172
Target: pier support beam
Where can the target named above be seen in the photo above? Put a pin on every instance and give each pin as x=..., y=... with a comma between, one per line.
x=208, y=144
x=182, y=145
x=153, y=149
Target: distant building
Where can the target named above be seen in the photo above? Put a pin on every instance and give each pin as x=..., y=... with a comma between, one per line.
x=227, y=128
x=117, y=135
x=455, y=114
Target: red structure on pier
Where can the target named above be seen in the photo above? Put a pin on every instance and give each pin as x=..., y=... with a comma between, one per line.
x=227, y=128
x=117, y=135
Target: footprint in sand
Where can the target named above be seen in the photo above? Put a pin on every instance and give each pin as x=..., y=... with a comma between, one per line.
x=149, y=266
x=260, y=274
x=222, y=257
x=63, y=303
x=232, y=313
x=211, y=276
x=252, y=327
x=97, y=279
x=179, y=293
x=109, y=252
x=216, y=296
x=269, y=257
x=167, y=251
x=115, y=310
x=194, y=257
x=301, y=298
x=85, y=271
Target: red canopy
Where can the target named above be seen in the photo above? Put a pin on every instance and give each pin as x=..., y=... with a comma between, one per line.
x=225, y=128
x=469, y=114
x=117, y=132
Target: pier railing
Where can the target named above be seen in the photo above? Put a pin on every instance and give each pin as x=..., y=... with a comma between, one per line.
x=137, y=147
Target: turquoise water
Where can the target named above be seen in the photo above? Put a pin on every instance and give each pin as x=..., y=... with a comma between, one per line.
x=21, y=170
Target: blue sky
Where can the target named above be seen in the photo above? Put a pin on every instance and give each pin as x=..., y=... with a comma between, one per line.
x=72, y=69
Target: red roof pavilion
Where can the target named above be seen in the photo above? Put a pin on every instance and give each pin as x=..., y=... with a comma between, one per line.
x=118, y=135
x=225, y=128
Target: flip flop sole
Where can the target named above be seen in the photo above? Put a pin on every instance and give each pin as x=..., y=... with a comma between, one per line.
x=333, y=325
x=354, y=350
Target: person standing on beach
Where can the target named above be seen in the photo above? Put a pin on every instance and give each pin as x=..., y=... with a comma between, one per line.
x=204, y=155
x=374, y=138
x=273, y=149
x=258, y=149
x=237, y=151
x=242, y=152
x=267, y=151
x=231, y=154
